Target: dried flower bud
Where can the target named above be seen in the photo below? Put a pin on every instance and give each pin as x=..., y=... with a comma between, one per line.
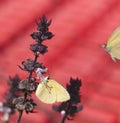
x=17, y=100
x=37, y=36
x=26, y=86
x=70, y=107
x=20, y=106
x=42, y=34
x=29, y=105
x=38, y=48
x=13, y=83
x=29, y=65
x=47, y=35
x=73, y=89
x=43, y=24
x=22, y=84
x=72, y=111
x=18, y=103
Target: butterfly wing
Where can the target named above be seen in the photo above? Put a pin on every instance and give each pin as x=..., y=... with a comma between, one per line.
x=115, y=52
x=113, y=45
x=60, y=92
x=51, y=92
x=114, y=39
x=44, y=94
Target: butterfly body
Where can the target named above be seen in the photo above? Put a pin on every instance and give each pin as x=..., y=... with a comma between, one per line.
x=49, y=91
x=113, y=45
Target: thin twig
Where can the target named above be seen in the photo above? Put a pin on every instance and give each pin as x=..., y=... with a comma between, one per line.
x=25, y=94
x=66, y=112
x=20, y=116
x=64, y=118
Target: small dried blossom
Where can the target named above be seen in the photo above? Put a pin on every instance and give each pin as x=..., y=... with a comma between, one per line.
x=29, y=65
x=40, y=36
x=70, y=108
x=21, y=104
x=38, y=48
x=27, y=85
x=29, y=105
x=12, y=93
x=43, y=24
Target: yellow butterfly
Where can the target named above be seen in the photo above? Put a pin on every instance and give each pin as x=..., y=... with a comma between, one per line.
x=113, y=45
x=49, y=91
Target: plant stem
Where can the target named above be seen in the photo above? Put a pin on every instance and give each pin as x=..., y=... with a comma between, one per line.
x=67, y=112
x=63, y=119
x=20, y=116
x=25, y=94
x=36, y=56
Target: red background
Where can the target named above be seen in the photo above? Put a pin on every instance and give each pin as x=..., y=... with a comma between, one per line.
x=80, y=28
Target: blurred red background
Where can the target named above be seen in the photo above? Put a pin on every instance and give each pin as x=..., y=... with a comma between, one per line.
x=80, y=28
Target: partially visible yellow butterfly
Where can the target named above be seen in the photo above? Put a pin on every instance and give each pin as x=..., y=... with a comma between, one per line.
x=49, y=91
x=113, y=45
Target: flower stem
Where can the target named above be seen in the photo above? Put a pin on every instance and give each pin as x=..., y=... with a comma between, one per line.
x=20, y=116
x=63, y=119
x=25, y=94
